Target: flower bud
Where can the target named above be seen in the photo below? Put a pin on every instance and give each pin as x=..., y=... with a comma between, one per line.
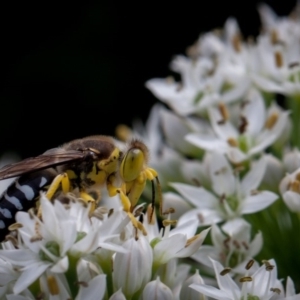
x=132, y=270
x=187, y=293
x=157, y=290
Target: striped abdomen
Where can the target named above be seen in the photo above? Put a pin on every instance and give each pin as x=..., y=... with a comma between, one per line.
x=21, y=195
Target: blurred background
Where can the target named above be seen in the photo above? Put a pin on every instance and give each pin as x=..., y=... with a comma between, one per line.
x=72, y=70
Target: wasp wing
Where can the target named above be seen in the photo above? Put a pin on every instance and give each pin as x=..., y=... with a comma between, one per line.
x=51, y=158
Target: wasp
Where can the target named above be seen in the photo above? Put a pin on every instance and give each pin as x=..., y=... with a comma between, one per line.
x=84, y=165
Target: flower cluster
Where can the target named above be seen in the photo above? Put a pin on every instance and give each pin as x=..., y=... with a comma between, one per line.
x=227, y=147
x=227, y=154
x=71, y=254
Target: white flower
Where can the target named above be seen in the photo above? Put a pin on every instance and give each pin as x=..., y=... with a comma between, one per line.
x=187, y=293
x=132, y=270
x=278, y=50
x=290, y=190
x=263, y=284
x=157, y=290
x=231, y=197
x=231, y=246
x=47, y=245
x=174, y=243
x=203, y=84
x=257, y=130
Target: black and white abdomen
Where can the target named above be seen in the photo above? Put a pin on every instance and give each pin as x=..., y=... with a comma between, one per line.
x=21, y=195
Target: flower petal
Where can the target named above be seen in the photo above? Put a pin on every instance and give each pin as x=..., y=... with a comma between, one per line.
x=254, y=203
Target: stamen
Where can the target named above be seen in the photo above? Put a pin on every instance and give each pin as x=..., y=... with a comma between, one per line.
x=83, y=283
x=225, y=271
x=249, y=264
x=15, y=226
x=200, y=218
x=151, y=215
x=245, y=279
x=293, y=65
x=236, y=42
x=232, y=142
x=169, y=222
x=255, y=192
x=245, y=246
x=224, y=113
x=236, y=244
x=110, y=212
x=278, y=59
x=191, y=240
x=99, y=212
x=170, y=210
x=297, y=176
x=12, y=239
x=269, y=267
x=36, y=238
x=274, y=39
x=52, y=285
x=275, y=290
x=271, y=121
x=243, y=124
x=295, y=186
x=226, y=242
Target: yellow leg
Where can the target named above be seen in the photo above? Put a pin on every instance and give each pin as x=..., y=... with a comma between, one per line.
x=62, y=179
x=88, y=199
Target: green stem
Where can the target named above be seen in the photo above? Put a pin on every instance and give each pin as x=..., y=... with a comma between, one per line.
x=71, y=276
x=107, y=269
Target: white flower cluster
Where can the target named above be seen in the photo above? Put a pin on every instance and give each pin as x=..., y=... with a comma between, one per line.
x=223, y=143
x=71, y=255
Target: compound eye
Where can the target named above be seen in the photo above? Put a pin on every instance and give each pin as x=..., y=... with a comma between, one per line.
x=132, y=164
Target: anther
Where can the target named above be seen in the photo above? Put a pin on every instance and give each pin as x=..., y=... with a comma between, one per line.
x=12, y=239
x=83, y=283
x=269, y=267
x=249, y=264
x=110, y=212
x=36, y=238
x=170, y=210
x=293, y=65
x=278, y=59
x=232, y=142
x=271, y=121
x=274, y=37
x=297, y=176
x=295, y=186
x=275, y=290
x=243, y=124
x=169, y=222
x=191, y=240
x=225, y=271
x=224, y=112
x=236, y=42
x=15, y=226
x=52, y=285
x=150, y=215
x=246, y=279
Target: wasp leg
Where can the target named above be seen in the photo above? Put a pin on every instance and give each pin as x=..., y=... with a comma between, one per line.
x=136, y=188
x=127, y=208
x=88, y=199
x=62, y=179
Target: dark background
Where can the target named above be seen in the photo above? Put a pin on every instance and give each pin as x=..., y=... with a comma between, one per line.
x=72, y=70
